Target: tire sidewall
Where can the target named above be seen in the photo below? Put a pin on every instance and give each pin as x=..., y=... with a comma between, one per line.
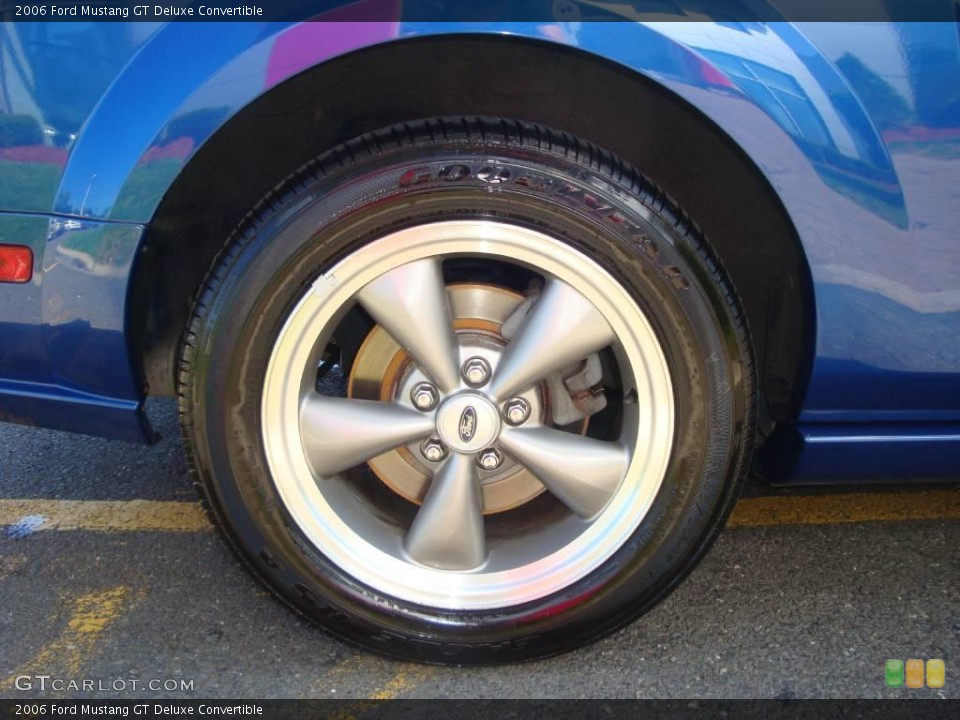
x=273, y=261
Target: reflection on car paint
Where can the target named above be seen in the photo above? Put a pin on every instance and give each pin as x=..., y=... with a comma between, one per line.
x=856, y=128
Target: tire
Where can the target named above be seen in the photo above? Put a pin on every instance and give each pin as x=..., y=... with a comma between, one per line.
x=474, y=495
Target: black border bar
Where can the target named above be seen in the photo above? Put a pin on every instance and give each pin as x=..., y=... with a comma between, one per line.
x=734, y=11
x=491, y=709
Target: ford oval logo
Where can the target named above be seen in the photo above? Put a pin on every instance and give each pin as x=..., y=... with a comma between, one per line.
x=468, y=424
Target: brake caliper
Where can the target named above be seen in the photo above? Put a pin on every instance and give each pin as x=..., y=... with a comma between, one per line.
x=576, y=391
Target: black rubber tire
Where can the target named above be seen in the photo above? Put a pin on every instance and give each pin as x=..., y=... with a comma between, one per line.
x=512, y=171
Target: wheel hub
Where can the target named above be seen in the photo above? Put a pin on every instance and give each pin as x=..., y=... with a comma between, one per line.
x=384, y=371
x=467, y=422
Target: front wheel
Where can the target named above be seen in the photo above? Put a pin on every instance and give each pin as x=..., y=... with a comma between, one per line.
x=468, y=390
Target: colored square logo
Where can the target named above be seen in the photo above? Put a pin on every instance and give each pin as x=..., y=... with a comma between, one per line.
x=893, y=673
x=914, y=673
x=936, y=673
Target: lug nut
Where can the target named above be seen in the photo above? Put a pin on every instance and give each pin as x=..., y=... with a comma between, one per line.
x=475, y=371
x=490, y=459
x=516, y=411
x=424, y=396
x=433, y=450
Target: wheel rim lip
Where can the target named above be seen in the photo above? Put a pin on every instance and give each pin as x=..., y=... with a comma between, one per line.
x=318, y=311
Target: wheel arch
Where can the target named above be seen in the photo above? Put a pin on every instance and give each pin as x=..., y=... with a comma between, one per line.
x=531, y=80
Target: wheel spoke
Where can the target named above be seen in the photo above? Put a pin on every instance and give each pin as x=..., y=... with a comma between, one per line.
x=448, y=530
x=562, y=327
x=339, y=433
x=410, y=302
x=581, y=472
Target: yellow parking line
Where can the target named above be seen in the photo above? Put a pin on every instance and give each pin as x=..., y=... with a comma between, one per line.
x=398, y=683
x=176, y=516
x=403, y=682
x=846, y=508
x=104, y=515
x=346, y=667
x=90, y=615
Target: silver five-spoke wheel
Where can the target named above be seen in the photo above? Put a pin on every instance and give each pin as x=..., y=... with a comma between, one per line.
x=454, y=403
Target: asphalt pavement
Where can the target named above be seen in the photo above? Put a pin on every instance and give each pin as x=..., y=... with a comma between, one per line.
x=156, y=606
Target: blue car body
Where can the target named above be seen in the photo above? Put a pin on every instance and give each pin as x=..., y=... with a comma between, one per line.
x=856, y=128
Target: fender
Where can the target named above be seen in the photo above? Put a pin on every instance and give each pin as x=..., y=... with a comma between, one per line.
x=786, y=104
x=823, y=149
x=119, y=170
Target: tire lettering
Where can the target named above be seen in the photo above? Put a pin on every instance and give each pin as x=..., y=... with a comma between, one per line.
x=594, y=203
x=454, y=172
x=534, y=183
x=672, y=273
x=415, y=176
x=649, y=247
x=494, y=175
x=498, y=174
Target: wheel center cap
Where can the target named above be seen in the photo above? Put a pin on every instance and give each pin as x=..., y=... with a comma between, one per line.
x=468, y=422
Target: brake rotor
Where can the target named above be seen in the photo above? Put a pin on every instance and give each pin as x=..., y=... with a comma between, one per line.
x=382, y=370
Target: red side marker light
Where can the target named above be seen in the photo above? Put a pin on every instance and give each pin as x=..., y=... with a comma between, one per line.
x=16, y=263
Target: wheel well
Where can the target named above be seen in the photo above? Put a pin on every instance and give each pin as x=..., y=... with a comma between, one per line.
x=669, y=140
